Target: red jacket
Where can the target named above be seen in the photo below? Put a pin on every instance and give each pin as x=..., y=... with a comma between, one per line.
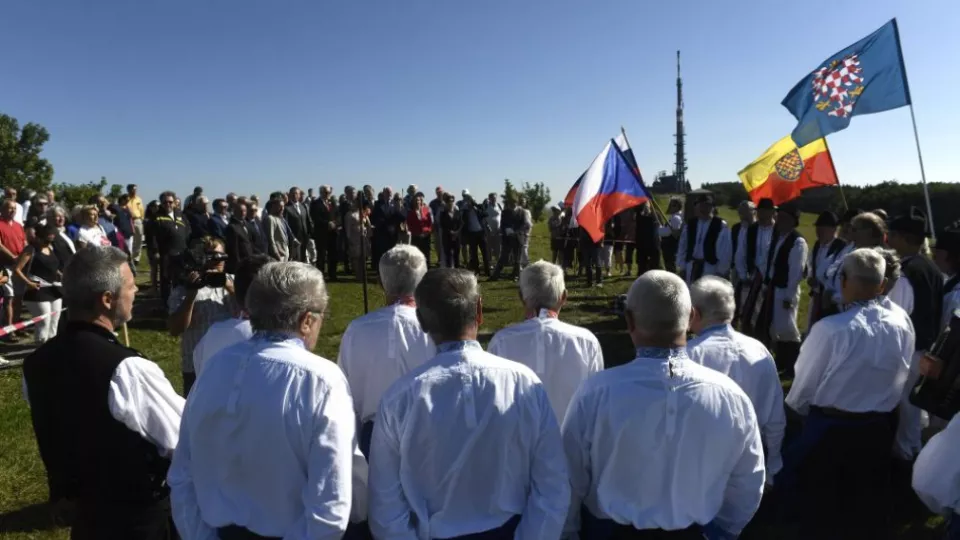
x=419, y=223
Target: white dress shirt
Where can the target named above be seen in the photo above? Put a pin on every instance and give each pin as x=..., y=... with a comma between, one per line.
x=268, y=443
x=461, y=445
x=724, y=250
x=764, y=237
x=832, y=277
x=662, y=443
x=674, y=224
x=561, y=354
x=20, y=213
x=855, y=361
x=750, y=365
x=377, y=349
x=936, y=473
x=220, y=336
x=902, y=294
x=142, y=399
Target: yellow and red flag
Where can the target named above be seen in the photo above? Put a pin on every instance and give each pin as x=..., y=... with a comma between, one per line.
x=784, y=170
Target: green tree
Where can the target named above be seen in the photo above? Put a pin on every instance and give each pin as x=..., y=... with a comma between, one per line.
x=538, y=197
x=20, y=163
x=510, y=193
x=70, y=195
x=116, y=190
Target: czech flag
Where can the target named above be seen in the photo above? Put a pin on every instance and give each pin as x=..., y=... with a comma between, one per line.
x=784, y=171
x=609, y=186
x=624, y=147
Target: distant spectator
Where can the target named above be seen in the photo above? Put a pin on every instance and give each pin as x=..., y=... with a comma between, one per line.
x=39, y=269
x=12, y=241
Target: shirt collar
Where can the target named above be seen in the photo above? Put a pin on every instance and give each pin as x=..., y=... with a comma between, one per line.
x=450, y=346
x=545, y=313
x=863, y=303
x=722, y=328
x=278, y=337
x=408, y=301
x=663, y=353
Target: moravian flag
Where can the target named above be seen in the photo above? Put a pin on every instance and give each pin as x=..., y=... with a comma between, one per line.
x=609, y=186
x=784, y=170
x=624, y=147
x=866, y=77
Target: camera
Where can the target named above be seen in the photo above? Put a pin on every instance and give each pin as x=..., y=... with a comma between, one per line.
x=198, y=260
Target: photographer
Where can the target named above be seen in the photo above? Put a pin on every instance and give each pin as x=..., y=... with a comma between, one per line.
x=198, y=299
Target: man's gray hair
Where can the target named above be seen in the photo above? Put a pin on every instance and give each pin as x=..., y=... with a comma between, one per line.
x=660, y=303
x=401, y=269
x=282, y=292
x=447, y=301
x=541, y=285
x=714, y=298
x=865, y=265
x=92, y=271
x=872, y=223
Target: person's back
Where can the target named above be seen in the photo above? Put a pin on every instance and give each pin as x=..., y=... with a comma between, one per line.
x=469, y=425
x=562, y=355
x=678, y=463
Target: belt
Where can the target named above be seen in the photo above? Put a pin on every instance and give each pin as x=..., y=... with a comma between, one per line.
x=236, y=532
x=595, y=528
x=503, y=532
x=840, y=413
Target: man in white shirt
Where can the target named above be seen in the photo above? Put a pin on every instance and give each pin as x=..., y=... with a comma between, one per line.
x=106, y=419
x=739, y=236
x=466, y=445
x=670, y=234
x=661, y=447
x=849, y=381
x=10, y=194
x=946, y=255
x=380, y=347
x=225, y=333
x=742, y=358
x=823, y=254
x=936, y=475
x=561, y=354
x=753, y=248
x=268, y=439
x=705, y=245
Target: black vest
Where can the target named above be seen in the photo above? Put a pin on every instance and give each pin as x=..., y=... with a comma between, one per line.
x=709, y=241
x=89, y=455
x=835, y=247
x=950, y=285
x=753, y=232
x=781, y=266
x=927, y=283
x=735, y=236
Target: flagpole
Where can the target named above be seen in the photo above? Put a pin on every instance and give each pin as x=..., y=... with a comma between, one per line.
x=916, y=136
x=663, y=216
x=835, y=175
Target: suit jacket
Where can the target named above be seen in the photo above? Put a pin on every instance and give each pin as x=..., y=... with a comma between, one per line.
x=239, y=244
x=257, y=236
x=321, y=214
x=299, y=221
x=218, y=227
x=278, y=245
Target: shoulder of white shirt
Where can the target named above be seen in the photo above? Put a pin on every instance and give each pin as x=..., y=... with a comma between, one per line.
x=750, y=349
x=570, y=330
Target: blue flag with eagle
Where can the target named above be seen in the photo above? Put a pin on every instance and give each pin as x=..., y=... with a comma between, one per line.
x=866, y=77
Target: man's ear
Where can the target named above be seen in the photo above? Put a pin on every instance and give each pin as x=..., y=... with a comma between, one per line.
x=107, y=301
x=563, y=298
x=479, y=312
x=631, y=323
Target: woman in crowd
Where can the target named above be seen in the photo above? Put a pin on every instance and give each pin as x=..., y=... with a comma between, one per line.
x=357, y=225
x=450, y=225
x=194, y=309
x=39, y=268
x=63, y=245
x=153, y=257
x=420, y=225
x=91, y=232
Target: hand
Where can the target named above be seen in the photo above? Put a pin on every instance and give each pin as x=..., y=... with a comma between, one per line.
x=194, y=278
x=229, y=287
x=332, y=225
x=930, y=366
x=33, y=285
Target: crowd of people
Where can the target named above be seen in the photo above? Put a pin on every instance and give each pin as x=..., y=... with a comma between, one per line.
x=416, y=431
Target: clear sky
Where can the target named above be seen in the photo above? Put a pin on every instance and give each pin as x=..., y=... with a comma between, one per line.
x=259, y=95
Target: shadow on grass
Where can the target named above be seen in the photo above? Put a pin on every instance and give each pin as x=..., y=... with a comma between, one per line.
x=35, y=517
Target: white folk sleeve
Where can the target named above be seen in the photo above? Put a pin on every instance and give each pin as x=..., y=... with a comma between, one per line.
x=724, y=251
x=390, y=510
x=575, y=439
x=771, y=416
x=797, y=258
x=902, y=295
x=682, y=250
x=814, y=356
x=142, y=399
x=183, y=495
x=741, y=498
x=329, y=493
x=936, y=473
x=548, y=499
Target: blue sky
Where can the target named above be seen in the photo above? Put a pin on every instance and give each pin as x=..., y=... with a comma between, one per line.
x=253, y=96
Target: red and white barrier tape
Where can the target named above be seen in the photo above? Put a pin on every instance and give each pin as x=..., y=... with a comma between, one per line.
x=29, y=322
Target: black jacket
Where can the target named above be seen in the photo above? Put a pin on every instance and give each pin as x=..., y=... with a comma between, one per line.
x=239, y=244
x=299, y=221
x=322, y=213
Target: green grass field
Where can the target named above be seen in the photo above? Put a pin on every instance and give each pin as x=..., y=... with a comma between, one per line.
x=23, y=491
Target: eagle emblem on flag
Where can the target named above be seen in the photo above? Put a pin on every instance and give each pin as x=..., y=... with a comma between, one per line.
x=837, y=86
x=790, y=166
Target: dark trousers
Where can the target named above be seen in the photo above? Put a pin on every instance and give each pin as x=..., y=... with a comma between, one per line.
x=327, y=254
x=423, y=244
x=123, y=521
x=451, y=252
x=569, y=252
x=839, y=467
x=355, y=531
x=188, y=380
x=503, y=532
x=669, y=246
x=364, y=437
x=648, y=258
x=164, y=278
x=595, y=528
x=510, y=247
x=477, y=240
x=590, y=261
